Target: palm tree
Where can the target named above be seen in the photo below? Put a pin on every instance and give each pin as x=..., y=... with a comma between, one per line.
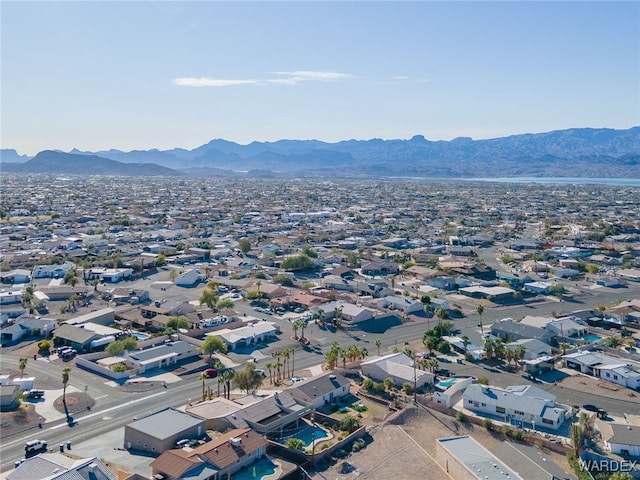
x=465, y=343
x=295, y=326
x=615, y=341
x=344, y=353
x=65, y=380
x=228, y=376
x=269, y=367
x=564, y=346
x=203, y=377
x=292, y=350
x=22, y=364
x=378, y=343
x=278, y=365
x=285, y=360
x=220, y=382
x=441, y=314
x=577, y=438
x=480, y=310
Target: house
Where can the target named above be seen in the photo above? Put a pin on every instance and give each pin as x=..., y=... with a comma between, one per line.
x=625, y=440
x=404, y=304
x=250, y=334
x=350, y=313
x=533, y=348
x=10, y=296
x=520, y=403
x=380, y=267
x=217, y=459
x=161, y=356
x=9, y=397
x=109, y=275
x=52, y=271
x=492, y=293
x=321, y=390
x=614, y=370
x=190, y=278
x=26, y=327
x=263, y=414
x=510, y=331
x=522, y=457
x=75, y=336
x=464, y=458
x=16, y=276
x=399, y=367
x=56, y=466
x=160, y=430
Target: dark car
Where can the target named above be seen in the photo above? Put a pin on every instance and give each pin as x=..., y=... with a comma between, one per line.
x=211, y=372
x=443, y=372
x=34, y=394
x=590, y=407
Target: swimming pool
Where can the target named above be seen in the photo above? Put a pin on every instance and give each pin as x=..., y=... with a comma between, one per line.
x=139, y=335
x=306, y=433
x=446, y=383
x=260, y=469
x=591, y=337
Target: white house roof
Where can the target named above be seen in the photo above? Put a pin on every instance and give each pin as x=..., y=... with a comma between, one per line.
x=238, y=334
x=536, y=403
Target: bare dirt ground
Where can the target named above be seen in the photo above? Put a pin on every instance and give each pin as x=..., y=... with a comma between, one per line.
x=404, y=446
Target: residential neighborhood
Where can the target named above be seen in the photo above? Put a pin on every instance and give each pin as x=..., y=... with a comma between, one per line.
x=274, y=327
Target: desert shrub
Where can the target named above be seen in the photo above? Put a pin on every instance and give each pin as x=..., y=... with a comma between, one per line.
x=358, y=445
x=461, y=417
x=487, y=423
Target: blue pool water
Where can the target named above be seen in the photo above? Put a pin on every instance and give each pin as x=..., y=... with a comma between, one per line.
x=305, y=435
x=139, y=335
x=592, y=337
x=446, y=383
x=260, y=469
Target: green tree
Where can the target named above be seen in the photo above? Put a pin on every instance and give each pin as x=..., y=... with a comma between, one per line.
x=295, y=444
x=349, y=424
x=22, y=364
x=224, y=303
x=244, y=244
x=177, y=322
x=284, y=280
x=297, y=262
x=378, y=343
x=209, y=298
x=119, y=367
x=228, y=376
x=248, y=379
x=213, y=344
x=309, y=252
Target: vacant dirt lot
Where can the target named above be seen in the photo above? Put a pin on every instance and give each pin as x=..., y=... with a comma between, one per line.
x=403, y=447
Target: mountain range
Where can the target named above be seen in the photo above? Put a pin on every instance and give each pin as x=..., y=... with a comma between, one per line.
x=579, y=152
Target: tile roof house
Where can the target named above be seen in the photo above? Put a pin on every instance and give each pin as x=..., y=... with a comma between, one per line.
x=218, y=458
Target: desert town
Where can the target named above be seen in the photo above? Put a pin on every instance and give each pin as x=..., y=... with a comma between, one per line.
x=312, y=328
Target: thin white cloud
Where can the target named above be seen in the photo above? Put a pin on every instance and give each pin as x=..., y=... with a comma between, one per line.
x=284, y=78
x=211, y=82
x=307, y=75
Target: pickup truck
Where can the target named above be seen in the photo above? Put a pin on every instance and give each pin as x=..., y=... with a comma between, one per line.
x=35, y=446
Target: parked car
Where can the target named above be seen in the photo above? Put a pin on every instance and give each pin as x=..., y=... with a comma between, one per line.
x=443, y=372
x=590, y=407
x=261, y=372
x=35, y=446
x=34, y=393
x=211, y=372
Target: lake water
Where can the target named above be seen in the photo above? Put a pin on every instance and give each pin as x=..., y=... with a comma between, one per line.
x=622, y=182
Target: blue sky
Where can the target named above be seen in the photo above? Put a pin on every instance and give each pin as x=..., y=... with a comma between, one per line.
x=139, y=75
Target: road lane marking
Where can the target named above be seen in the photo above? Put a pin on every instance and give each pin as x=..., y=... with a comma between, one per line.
x=102, y=412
